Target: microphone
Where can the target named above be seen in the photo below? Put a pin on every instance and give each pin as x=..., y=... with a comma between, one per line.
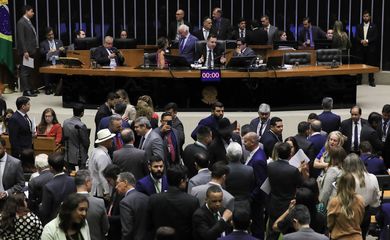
x=77, y=127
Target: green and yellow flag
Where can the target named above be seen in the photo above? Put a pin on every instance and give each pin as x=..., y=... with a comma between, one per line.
x=6, y=57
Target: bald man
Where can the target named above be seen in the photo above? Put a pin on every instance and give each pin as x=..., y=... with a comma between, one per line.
x=221, y=26
x=107, y=55
x=174, y=25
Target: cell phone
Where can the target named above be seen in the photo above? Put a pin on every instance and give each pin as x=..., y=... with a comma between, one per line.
x=169, y=123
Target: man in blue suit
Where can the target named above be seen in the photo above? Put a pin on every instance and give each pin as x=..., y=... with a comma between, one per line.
x=156, y=181
x=217, y=111
x=330, y=121
x=241, y=221
x=260, y=125
x=318, y=141
x=187, y=43
x=272, y=136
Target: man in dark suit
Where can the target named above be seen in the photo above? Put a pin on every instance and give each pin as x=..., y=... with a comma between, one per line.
x=272, y=136
x=20, y=127
x=134, y=209
x=76, y=137
x=119, y=109
x=310, y=33
x=176, y=123
x=130, y=158
x=260, y=125
x=272, y=31
x=57, y=189
x=27, y=43
x=11, y=172
x=107, y=55
x=241, y=31
x=258, y=161
x=318, y=141
x=373, y=163
x=217, y=111
x=241, y=221
x=174, y=26
x=367, y=36
x=329, y=121
x=211, y=55
x=204, y=173
x=284, y=180
x=358, y=130
x=204, y=138
x=156, y=181
x=303, y=142
x=187, y=43
x=257, y=35
x=49, y=49
x=96, y=215
x=203, y=33
x=221, y=26
x=383, y=127
x=170, y=137
x=106, y=109
x=150, y=141
x=242, y=49
x=36, y=184
x=175, y=207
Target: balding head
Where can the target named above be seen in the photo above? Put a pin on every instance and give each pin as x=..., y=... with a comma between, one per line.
x=180, y=15
x=108, y=42
x=251, y=141
x=315, y=126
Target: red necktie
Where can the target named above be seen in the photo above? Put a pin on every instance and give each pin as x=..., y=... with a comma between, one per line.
x=171, y=148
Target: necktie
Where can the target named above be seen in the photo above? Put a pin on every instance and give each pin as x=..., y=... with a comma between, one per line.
x=216, y=216
x=28, y=121
x=355, y=138
x=157, y=185
x=181, y=44
x=35, y=33
x=209, y=56
x=118, y=142
x=205, y=34
x=241, y=34
x=261, y=128
x=171, y=148
x=141, y=144
x=385, y=128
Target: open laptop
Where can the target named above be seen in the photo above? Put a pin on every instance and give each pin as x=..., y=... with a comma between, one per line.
x=177, y=62
x=241, y=62
x=275, y=62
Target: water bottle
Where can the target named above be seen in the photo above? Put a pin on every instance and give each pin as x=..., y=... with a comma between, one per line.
x=146, y=60
x=258, y=61
x=53, y=60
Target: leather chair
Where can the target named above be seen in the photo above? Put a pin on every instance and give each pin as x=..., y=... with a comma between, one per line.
x=92, y=53
x=152, y=57
x=303, y=58
x=327, y=56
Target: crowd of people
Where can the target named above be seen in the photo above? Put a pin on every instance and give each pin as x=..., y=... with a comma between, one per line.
x=242, y=182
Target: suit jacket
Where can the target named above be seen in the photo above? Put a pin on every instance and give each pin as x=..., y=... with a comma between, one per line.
x=199, y=34
x=174, y=208
x=154, y=145
x=54, y=192
x=305, y=233
x=189, y=157
x=255, y=122
x=284, y=180
x=13, y=178
x=164, y=137
x=257, y=37
x=200, y=193
x=386, y=151
x=224, y=31
x=114, y=218
x=103, y=111
x=210, y=122
x=374, y=164
x=372, y=36
x=173, y=29
x=306, y=146
x=272, y=34
x=329, y=121
x=27, y=38
x=205, y=226
x=98, y=161
x=101, y=57
x=217, y=150
x=131, y=159
x=105, y=122
x=45, y=48
x=240, y=181
x=248, y=52
x=134, y=212
x=236, y=33
x=188, y=51
x=97, y=217
x=146, y=185
x=269, y=139
x=318, y=141
x=238, y=235
x=201, y=178
x=76, y=140
x=258, y=162
x=52, y=230
x=35, y=187
x=178, y=125
x=20, y=135
x=367, y=134
x=217, y=54
x=317, y=34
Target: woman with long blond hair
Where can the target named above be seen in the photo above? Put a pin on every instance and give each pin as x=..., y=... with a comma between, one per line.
x=322, y=160
x=340, y=38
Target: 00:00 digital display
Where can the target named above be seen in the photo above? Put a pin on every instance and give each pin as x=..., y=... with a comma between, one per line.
x=210, y=75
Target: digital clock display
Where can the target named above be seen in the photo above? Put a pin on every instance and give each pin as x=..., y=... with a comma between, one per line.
x=210, y=75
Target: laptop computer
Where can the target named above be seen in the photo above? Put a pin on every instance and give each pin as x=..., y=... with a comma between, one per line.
x=177, y=61
x=241, y=62
x=275, y=62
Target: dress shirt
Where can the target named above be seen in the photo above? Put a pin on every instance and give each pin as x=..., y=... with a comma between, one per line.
x=128, y=191
x=157, y=184
x=201, y=144
x=52, y=45
x=206, y=33
x=267, y=28
x=365, y=30
x=259, y=126
x=251, y=155
x=359, y=124
x=207, y=56
x=242, y=33
x=141, y=145
x=2, y=166
x=33, y=28
x=385, y=129
x=112, y=60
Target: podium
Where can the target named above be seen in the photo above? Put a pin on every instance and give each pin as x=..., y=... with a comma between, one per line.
x=41, y=144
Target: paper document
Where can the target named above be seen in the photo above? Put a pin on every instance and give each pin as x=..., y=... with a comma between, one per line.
x=298, y=158
x=28, y=62
x=266, y=186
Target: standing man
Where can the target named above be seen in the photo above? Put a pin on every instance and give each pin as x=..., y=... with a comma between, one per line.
x=272, y=136
x=310, y=33
x=221, y=26
x=330, y=121
x=367, y=35
x=217, y=111
x=241, y=31
x=257, y=35
x=203, y=33
x=21, y=128
x=174, y=26
x=272, y=31
x=260, y=125
x=176, y=123
x=156, y=181
x=27, y=44
x=186, y=43
x=150, y=141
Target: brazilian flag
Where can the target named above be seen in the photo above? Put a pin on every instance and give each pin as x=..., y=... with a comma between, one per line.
x=6, y=57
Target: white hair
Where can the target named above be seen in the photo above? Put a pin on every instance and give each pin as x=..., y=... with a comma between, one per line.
x=264, y=108
x=184, y=27
x=234, y=152
x=41, y=161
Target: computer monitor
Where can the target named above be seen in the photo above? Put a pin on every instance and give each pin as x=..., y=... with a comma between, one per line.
x=241, y=62
x=127, y=43
x=285, y=44
x=86, y=43
x=176, y=61
x=274, y=62
x=322, y=44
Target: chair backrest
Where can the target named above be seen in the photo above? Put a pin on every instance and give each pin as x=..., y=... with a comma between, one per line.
x=327, y=56
x=92, y=53
x=199, y=46
x=151, y=57
x=303, y=58
x=221, y=44
x=384, y=184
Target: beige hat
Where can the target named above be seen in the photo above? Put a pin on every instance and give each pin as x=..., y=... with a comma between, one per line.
x=104, y=135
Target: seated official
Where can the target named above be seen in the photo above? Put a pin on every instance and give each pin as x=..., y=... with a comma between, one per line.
x=124, y=34
x=242, y=49
x=282, y=36
x=211, y=55
x=162, y=46
x=107, y=55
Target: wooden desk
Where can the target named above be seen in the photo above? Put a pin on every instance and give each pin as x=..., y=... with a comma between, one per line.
x=41, y=144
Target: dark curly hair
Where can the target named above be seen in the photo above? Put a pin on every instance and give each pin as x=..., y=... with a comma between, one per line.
x=15, y=204
x=70, y=204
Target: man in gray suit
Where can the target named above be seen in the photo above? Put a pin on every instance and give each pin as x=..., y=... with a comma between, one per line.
x=27, y=44
x=300, y=216
x=129, y=158
x=272, y=31
x=218, y=175
x=204, y=174
x=76, y=137
x=243, y=50
x=134, y=208
x=11, y=174
x=151, y=141
x=96, y=216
